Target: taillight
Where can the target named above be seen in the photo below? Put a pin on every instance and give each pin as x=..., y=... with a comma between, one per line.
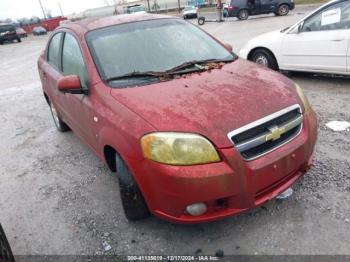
x=230, y=7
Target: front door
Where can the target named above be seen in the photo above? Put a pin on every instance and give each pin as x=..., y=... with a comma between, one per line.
x=79, y=105
x=322, y=43
x=268, y=6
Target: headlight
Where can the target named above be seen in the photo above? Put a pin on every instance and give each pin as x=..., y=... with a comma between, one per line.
x=178, y=148
x=303, y=98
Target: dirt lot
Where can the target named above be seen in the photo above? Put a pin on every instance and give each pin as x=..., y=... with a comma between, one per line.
x=56, y=197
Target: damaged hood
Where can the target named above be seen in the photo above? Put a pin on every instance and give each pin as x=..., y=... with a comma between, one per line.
x=211, y=103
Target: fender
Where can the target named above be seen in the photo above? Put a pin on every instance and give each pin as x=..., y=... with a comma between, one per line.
x=128, y=148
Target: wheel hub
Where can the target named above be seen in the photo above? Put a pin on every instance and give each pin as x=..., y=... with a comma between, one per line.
x=283, y=10
x=262, y=60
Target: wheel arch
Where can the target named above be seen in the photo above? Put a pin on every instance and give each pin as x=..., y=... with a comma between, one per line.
x=284, y=3
x=109, y=154
x=112, y=144
x=47, y=98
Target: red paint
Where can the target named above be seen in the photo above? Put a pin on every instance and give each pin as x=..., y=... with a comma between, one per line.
x=212, y=104
x=66, y=83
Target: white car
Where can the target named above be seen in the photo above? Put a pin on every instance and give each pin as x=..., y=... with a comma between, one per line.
x=190, y=12
x=318, y=43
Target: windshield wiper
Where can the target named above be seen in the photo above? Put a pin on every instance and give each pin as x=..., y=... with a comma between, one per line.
x=148, y=74
x=197, y=64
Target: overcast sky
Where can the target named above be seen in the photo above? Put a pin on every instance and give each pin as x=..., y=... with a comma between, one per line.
x=28, y=8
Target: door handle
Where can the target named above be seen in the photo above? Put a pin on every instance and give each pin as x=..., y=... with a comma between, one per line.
x=337, y=40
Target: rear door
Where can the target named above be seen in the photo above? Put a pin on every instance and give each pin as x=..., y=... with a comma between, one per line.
x=50, y=73
x=322, y=44
x=80, y=105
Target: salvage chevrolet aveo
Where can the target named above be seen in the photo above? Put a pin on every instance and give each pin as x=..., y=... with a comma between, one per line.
x=193, y=133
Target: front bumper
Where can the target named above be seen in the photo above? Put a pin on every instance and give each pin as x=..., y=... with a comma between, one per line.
x=229, y=187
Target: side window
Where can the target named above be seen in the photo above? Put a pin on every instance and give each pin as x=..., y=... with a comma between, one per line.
x=54, y=50
x=345, y=16
x=72, y=60
x=335, y=17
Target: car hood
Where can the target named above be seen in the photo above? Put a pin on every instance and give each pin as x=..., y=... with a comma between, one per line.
x=211, y=103
x=268, y=37
x=189, y=12
x=271, y=41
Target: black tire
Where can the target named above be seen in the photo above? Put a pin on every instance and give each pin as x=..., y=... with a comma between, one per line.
x=264, y=58
x=243, y=14
x=185, y=17
x=283, y=10
x=134, y=204
x=1, y=42
x=201, y=20
x=19, y=40
x=60, y=125
x=225, y=13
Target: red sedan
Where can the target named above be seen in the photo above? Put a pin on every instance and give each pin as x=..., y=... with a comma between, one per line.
x=193, y=133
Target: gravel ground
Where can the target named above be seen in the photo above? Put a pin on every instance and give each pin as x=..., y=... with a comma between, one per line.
x=56, y=197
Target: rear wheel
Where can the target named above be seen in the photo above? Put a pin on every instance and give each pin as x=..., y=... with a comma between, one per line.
x=19, y=40
x=60, y=125
x=243, y=14
x=264, y=58
x=134, y=205
x=283, y=10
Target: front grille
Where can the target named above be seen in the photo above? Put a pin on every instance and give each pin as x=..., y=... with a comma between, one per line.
x=268, y=133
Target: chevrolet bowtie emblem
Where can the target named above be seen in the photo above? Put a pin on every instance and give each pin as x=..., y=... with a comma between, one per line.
x=275, y=133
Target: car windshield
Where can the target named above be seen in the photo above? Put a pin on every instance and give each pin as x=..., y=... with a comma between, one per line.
x=134, y=9
x=188, y=8
x=151, y=46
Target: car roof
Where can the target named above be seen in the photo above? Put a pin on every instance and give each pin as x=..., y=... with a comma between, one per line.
x=86, y=25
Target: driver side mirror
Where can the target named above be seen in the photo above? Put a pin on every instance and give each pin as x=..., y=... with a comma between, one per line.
x=300, y=27
x=70, y=84
x=228, y=47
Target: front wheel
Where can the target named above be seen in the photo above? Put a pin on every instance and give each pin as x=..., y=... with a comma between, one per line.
x=283, y=10
x=134, y=205
x=243, y=14
x=60, y=125
x=264, y=58
x=201, y=20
